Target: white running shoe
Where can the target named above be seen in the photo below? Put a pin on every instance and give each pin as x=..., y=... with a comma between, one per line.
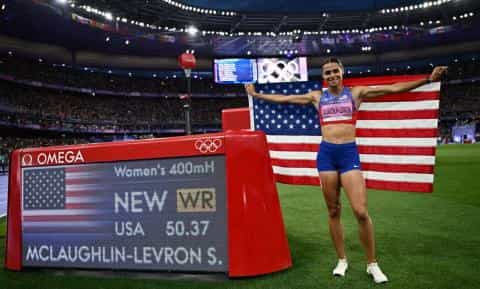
x=377, y=274
x=341, y=268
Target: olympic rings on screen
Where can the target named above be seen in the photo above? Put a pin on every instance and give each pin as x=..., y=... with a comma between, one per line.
x=278, y=70
x=208, y=145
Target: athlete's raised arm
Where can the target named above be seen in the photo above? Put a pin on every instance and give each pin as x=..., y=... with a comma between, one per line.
x=365, y=91
x=310, y=97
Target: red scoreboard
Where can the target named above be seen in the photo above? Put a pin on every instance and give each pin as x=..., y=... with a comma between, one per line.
x=205, y=203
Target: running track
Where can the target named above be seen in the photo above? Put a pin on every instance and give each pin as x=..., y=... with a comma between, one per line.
x=3, y=195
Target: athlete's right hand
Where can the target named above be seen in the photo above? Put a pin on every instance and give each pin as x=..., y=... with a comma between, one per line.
x=250, y=89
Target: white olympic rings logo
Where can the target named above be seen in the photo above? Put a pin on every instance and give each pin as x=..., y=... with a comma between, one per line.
x=278, y=70
x=208, y=145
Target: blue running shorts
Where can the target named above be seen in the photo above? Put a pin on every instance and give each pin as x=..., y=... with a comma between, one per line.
x=338, y=157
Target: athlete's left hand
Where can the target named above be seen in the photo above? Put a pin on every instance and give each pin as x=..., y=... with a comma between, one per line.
x=437, y=73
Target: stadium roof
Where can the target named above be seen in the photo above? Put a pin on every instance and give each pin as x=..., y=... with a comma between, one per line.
x=301, y=5
x=156, y=28
x=280, y=15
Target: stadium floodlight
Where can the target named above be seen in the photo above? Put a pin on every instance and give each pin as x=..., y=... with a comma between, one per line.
x=192, y=30
x=63, y=2
x=108, y=16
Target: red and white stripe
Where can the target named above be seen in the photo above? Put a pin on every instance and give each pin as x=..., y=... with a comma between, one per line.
x=396, y=137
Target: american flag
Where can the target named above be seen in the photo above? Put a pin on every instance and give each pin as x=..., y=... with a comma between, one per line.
x=64, y=201
x=396, y=134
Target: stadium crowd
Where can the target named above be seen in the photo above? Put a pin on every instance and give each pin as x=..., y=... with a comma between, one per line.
x=86, y=77
x=24, y=105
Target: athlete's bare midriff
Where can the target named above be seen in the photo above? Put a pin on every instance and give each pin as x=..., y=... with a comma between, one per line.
x=338, y=133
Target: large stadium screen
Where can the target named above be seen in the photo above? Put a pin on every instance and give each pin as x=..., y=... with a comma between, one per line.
x=235, y=70
x=275, y=70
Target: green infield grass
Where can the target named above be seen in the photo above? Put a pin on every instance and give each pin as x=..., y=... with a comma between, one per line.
x=424, y=241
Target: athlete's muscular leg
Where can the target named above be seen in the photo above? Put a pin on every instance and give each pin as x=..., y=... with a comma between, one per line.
x=354, y=185
x=331, y=192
